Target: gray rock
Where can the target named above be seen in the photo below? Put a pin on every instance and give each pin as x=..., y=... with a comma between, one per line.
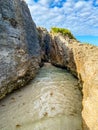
x=45, y=43
x=19, y=46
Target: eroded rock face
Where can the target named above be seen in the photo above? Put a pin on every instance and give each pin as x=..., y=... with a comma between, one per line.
x=45, y=42
x=61, y=53
x=87, y=68
x=19, y=47
x=82, y=60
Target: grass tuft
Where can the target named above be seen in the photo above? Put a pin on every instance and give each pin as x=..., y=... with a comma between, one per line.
x=63, y=31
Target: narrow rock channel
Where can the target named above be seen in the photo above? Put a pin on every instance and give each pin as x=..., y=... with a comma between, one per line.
x=52, y=101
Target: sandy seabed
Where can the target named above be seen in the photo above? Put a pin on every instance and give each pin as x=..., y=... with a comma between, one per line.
x=52, y=101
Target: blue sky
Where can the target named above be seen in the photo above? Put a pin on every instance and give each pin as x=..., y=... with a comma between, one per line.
x=79, y=16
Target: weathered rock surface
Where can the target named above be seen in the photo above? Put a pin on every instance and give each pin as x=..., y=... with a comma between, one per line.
x=87, y=67
x=19, y=47
x=61, y=54
x=81, y=60
x=44, y=41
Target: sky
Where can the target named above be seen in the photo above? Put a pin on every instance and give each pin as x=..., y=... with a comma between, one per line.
x=79, y=16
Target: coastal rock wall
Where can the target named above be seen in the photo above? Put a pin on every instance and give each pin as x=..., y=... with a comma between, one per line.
x=61, y=53
x=45, y=43
x=87, y=67
x=19, y=46
x=81, y=60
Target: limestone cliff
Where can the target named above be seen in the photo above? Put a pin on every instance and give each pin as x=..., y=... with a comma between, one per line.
x=61, y=54
x=45, y=43
x=87, y=67
x=19, y=46
x=81, y=60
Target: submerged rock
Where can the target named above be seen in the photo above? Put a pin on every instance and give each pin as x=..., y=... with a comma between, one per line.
x=19, y=47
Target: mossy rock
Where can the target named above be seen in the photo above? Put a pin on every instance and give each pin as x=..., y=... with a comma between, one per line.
x=63, y=31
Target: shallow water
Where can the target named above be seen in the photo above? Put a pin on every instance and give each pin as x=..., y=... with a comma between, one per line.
x=52, y=101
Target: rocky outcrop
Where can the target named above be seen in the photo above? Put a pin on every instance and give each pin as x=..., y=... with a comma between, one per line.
x=19, y=46
x=44, y=41
x=61, y=54
x=87, y=67
x=81, y=60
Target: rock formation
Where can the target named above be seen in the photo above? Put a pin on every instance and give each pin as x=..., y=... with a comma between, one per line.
x=19, y=47
x=61, y=54
x=81, y=60
x=87, y=68
x=45, y=42
x=21, y=55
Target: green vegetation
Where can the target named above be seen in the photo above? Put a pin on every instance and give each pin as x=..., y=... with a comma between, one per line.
x=63, y=31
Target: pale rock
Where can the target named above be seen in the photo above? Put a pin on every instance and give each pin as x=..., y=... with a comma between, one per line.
x=82, y=61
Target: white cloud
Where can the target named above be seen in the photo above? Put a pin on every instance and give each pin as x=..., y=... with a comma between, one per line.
x=80, y=4
x=80, y=17
x=96, y=2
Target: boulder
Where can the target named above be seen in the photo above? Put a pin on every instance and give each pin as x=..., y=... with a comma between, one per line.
x=19, y=46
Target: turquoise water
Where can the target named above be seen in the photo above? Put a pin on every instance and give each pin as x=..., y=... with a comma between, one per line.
x=52, y=101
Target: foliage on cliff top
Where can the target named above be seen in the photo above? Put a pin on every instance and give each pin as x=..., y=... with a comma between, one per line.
x=63, y=31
